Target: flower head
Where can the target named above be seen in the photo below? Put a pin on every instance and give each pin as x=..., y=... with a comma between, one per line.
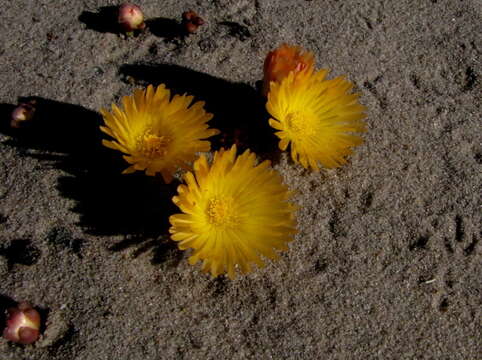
x=158, y=134
x=283, y=60
x=234, y=212
x=318, y=117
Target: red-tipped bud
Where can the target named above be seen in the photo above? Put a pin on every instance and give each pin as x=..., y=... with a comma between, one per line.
x=23, y=113
x=131, y=18
x=191, y=21
x=23, y=324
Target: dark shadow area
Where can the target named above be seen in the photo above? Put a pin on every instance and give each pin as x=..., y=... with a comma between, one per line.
x=104, y=20
x=239, y=110
x=5, y=304
x=5, y=116
x=168, y=29
x=67, y=137
x=61, y=238
x=237, y=30
x=163, y=250
x=20, y=251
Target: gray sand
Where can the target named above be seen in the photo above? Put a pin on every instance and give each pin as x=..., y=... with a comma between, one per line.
x=387, y=262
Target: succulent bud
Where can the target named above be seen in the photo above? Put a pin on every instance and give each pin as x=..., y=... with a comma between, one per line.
x=131, y=18
x=23, y=113
x=283, y=60
x=191, y=21
x=23, y=324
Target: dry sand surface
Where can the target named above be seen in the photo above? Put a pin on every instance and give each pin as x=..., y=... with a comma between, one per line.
x=387, y=263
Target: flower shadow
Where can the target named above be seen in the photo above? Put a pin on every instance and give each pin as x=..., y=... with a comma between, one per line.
x=67, y=137
x=238, y=108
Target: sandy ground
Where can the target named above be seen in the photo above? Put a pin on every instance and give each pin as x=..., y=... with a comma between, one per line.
x=387, y=263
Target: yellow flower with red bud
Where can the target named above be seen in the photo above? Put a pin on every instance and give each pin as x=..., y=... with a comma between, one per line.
x=318, y=117
x=285, y=59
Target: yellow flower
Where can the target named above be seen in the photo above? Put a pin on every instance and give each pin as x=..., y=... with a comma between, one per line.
x=233, y=212
x=157, y=134
x=317, y=116
x=283, y=60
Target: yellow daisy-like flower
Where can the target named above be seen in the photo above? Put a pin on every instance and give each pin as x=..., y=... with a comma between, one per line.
x=317, y=116
x=158, y=134
x=234, y=212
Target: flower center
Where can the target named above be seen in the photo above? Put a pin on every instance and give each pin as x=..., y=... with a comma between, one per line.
x=153, y=146
x=221, y=212
x=301, y=124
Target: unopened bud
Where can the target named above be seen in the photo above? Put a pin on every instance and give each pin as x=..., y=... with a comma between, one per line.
x=283, y=60
x=23, y=324
x=22, y=114
x=131, y=18
x=191, y=21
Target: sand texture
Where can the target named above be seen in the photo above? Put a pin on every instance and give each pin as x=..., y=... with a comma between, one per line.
x=387, y=263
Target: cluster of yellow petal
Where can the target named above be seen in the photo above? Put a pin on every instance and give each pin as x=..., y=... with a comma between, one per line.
x=283, y=60
x=158, y=134
x=318, y=117
x=234, y=212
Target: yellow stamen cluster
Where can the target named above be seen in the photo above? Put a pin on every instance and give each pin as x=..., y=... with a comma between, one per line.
x=158, y=134
x=234, y=212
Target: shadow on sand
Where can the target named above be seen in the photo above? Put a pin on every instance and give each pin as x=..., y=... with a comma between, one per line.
x=67, y=137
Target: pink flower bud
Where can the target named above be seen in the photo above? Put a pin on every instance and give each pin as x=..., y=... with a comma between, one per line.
x=24, y=112
x=131, y=18
x=23, y=324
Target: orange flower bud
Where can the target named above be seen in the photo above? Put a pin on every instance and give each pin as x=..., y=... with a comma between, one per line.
x=23, y=324
x=283, y=60
x=131, y=18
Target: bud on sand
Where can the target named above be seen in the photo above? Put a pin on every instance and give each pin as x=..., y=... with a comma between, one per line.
x=131, y=18
x=191, y=21
x=23, y=113
x=23, y=324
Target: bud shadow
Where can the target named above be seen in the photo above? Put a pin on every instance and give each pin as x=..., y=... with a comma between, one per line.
x=238, y=108
x=104, y=20
x=67, y=137
x=5, y=304
x=20, y=251
x=168, y=29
